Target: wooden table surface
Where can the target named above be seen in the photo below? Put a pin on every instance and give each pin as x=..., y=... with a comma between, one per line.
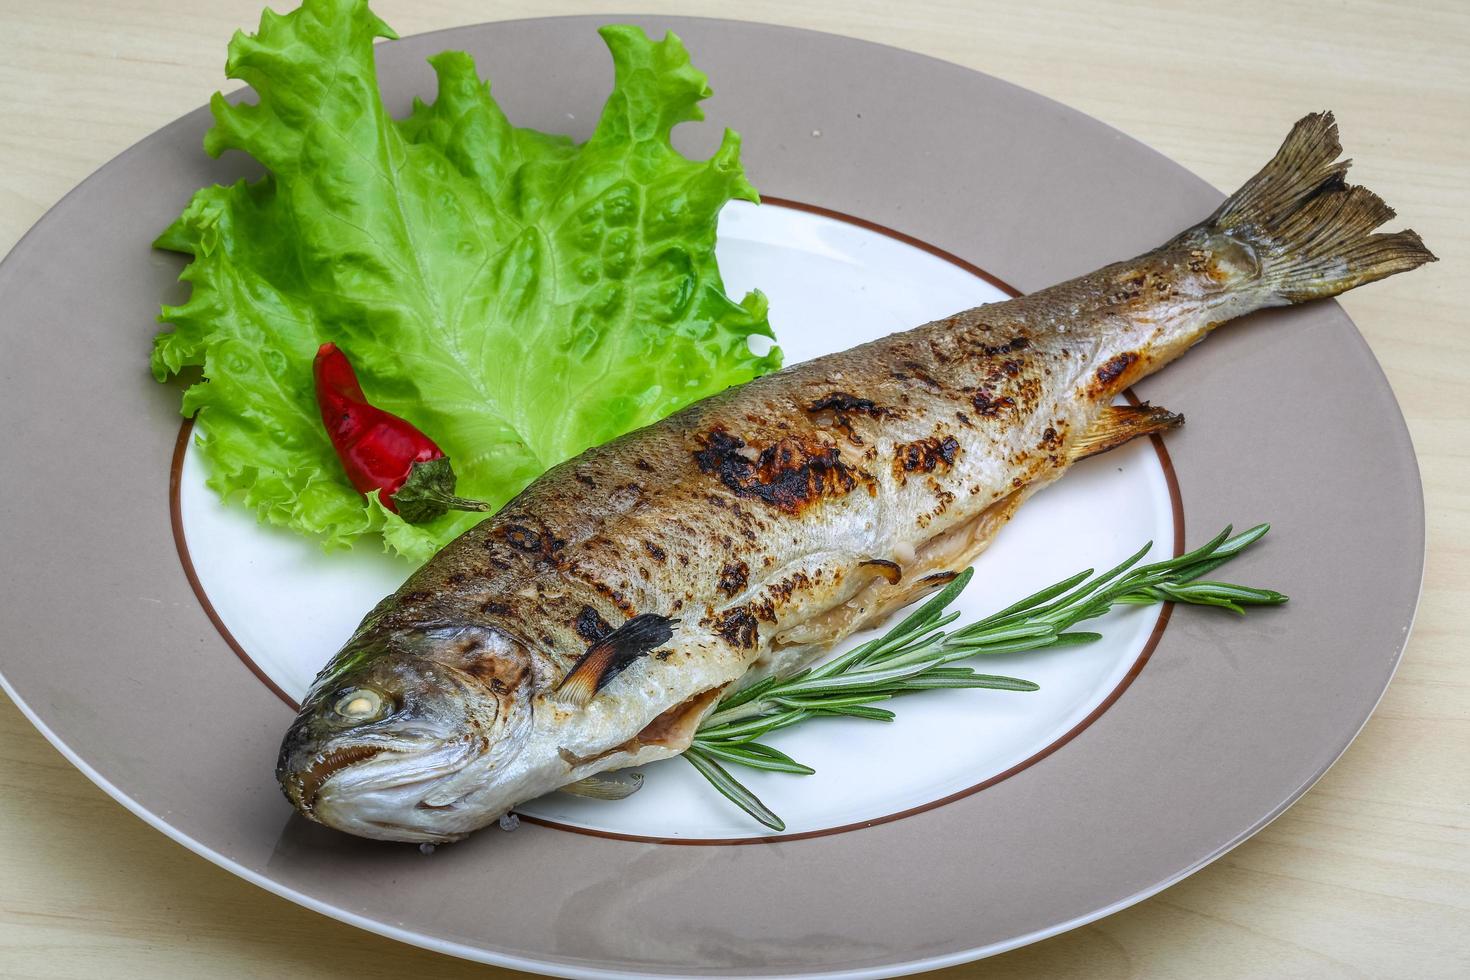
x=1369, y=874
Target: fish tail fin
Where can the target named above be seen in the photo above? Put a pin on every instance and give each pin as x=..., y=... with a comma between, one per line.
x=1312, y=231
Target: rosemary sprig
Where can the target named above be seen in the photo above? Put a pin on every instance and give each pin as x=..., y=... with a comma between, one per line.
x=919, y=655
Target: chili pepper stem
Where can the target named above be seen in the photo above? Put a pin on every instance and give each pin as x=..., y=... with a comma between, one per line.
x=429, y=493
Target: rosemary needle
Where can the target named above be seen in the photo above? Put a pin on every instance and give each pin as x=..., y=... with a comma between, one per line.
x=732, y=788
x=919, y=655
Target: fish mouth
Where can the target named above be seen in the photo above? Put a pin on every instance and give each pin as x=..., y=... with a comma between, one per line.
x=400, y=767
x=303, y=788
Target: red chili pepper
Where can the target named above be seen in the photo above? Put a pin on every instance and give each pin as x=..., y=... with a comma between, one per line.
x=381, y=451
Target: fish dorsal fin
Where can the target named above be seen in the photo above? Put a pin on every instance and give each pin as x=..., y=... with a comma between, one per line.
x=606, y=658
x=1119, y=423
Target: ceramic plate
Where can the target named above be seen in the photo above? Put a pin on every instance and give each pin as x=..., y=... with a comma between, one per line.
x=158, y=637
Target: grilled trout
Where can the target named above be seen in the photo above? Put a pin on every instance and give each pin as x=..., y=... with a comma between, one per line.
x=599, y=616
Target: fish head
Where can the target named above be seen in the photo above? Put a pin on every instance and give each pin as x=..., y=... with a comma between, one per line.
x=400, y=723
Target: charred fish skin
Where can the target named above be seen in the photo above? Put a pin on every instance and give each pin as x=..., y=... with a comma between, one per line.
x=774, y=519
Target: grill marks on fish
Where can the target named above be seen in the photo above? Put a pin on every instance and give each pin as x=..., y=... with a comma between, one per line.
x=522, y=538
x=810, y=588
x=924, y=456
x=737, y=626
x=590, y=625
x=839, y=408
x=916, y=371
x=842, y=402
x=1009, y=347
x=499, y=675
x=617, y=596
x=789, y=474
x=989, y=405
x=733, y=577
x=1010, y=382
x=1115, y=366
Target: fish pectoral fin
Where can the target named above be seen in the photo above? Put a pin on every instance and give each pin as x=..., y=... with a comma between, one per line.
x=606, y=786
x=607, y=658
x=1118, y=424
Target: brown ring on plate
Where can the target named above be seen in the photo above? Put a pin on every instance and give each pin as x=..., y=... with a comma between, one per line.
x=1166, y=610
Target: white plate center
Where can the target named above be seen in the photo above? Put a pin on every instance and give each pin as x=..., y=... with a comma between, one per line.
x=832, y=284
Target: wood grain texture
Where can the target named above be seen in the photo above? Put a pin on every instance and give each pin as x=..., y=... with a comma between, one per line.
x=1369, y=875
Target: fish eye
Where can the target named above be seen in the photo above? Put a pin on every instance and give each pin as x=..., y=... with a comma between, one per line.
x=360, y=704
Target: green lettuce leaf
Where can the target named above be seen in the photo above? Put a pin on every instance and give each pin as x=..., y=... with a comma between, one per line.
x=515, y=295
